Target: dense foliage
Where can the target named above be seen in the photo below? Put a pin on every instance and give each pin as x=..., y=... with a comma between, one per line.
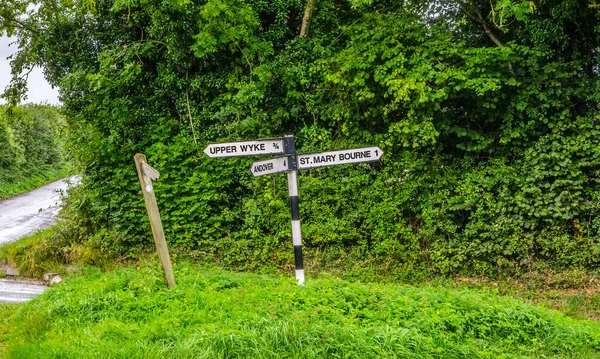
x=129, y=313
x=487, y=112
x=30, y=147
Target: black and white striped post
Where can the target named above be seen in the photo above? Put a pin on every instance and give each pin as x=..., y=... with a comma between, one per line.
x=289, y=145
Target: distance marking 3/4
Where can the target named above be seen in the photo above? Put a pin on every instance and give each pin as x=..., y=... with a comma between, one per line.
x=321, y=159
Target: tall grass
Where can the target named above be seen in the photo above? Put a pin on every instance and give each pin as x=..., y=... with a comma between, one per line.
x=128, y=313
x=7, y=312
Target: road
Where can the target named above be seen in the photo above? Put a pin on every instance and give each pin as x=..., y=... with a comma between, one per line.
x=13, y=291
x=23, y=215
x=27, y=213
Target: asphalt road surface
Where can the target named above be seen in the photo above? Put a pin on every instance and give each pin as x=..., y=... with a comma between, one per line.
x=23, y=215
x=27, y=213
x=19, y=291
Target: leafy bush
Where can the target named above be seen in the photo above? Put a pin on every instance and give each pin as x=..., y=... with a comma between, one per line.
x=489, y=127
x=30, y=147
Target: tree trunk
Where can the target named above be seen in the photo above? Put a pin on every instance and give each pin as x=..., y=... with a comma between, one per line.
x=308, y=13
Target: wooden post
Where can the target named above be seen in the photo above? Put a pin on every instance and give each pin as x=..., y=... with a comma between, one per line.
x=145, y=173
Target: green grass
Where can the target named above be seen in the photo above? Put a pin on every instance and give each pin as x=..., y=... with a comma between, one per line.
x=33, y=255
x=31, y=181
x=7, y=312
x=573, y=292
x=24, y=244
x=51, y=250
x=128, y=313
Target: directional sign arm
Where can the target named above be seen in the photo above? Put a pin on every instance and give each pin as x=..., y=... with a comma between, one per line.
x=322, y=159
x=248, y=148
x=267, y=167
x=150, y=172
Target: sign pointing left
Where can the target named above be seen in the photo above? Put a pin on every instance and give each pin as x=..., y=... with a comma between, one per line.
x=268, y=167
x=248, y=148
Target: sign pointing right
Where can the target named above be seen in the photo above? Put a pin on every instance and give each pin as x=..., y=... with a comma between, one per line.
x=322, y=159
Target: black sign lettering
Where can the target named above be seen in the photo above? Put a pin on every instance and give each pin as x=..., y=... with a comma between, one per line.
x=355, y=155
x=264, y=167
x=253, y=147
x=223, y=149
x=319, y=159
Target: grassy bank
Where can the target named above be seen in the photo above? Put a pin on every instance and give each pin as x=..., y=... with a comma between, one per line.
x=7, y=313
x=573, y=292
x=33, y=255
x=32, y=180
x=212, y=313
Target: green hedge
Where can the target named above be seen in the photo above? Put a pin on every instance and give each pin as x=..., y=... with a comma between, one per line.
x=30, y=147
x=492, y=146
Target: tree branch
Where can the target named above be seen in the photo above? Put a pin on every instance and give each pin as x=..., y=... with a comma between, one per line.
x=187, y=98
x=463, y=7
x=488, y=31
x=478, y=17
x=306, y=20
x=11, y=19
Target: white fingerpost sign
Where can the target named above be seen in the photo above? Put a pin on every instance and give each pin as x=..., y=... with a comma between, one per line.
x=249, y=148
x=150, y=172
x=322, y=159
x=290, y=163
x=268, y=167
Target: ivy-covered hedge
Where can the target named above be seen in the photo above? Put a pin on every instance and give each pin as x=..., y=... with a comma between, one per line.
x=488, y=117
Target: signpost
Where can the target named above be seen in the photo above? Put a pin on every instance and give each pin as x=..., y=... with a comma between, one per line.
x=290, y=164
x=147, y=174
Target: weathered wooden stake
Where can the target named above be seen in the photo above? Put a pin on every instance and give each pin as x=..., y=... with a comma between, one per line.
x=145, y=172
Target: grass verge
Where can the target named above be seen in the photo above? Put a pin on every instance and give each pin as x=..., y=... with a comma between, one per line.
x=33, y=255
x=573, y=292
x=7, y=313
x=42, y=176
x=50, y=250
x=212, y=313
